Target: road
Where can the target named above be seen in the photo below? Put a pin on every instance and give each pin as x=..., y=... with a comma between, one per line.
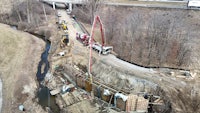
x=151, y=4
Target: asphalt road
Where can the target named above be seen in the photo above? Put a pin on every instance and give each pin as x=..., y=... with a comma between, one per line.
x=178, y=5
x=150, y=4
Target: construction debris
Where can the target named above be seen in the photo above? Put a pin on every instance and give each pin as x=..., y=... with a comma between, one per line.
x=55, y=92
x=71, y=93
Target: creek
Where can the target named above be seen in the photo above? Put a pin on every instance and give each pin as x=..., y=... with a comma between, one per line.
x=43, y=94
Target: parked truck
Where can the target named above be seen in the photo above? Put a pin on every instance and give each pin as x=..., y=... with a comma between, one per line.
x=83, y=38
x=102, y=49
x=193, y=4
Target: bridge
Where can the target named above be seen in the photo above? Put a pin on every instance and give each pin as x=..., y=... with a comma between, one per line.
x=146, y=3
x=66, y=2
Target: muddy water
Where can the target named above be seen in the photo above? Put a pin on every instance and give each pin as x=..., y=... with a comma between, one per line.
x=43, y=94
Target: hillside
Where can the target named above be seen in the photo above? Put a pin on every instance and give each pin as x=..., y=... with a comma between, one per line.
x=150, y=37
x=20, y=54
x=6, y=5
x=153, y=37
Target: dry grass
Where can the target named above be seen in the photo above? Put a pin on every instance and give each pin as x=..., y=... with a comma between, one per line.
x=20, y=54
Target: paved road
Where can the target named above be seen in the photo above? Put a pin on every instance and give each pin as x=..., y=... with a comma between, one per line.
x=179, y=5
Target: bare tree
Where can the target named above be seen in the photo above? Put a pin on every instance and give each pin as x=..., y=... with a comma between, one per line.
x=93, y=7
x=28, y=11
x=15, y=4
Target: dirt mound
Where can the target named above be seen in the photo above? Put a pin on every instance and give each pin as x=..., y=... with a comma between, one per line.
x=121, y=79
x=20, y=54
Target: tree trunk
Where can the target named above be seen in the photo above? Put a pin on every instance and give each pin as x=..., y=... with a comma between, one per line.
x=19, y=16
x=28, y=12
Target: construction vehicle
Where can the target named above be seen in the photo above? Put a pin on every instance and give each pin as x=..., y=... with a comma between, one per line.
x=83, y=38
x=64, y=41
x=102, y=49
x=62, y=24
x=193, y=4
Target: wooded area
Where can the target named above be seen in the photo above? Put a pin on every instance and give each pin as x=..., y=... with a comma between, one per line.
x=27, y=13
x=149, y=37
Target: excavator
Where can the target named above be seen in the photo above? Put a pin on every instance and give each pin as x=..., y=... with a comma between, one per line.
x=64, y=26
x=64, y=40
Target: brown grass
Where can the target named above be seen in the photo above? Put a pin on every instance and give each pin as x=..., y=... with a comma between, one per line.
x=20, y=54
